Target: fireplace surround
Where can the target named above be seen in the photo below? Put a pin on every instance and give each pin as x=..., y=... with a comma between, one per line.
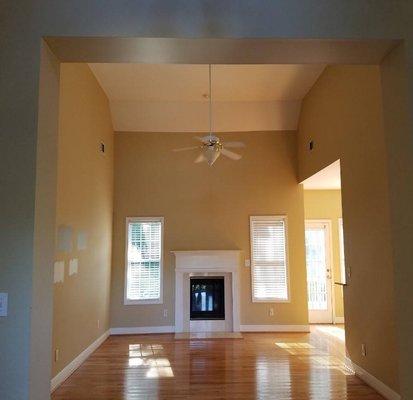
x=207, y=264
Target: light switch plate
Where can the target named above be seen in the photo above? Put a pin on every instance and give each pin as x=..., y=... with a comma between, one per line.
x=3, y=304
x=248, y=263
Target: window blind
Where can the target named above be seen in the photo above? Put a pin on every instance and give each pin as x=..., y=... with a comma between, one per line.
x=144, y=260
x=269, y=259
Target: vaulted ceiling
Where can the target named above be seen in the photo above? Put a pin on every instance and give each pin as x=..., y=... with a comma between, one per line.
x=329, y=178
x=174, y=97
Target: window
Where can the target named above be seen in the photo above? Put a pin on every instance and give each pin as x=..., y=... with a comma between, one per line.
x=341, y=244
x=269, y=269
x=144, y=249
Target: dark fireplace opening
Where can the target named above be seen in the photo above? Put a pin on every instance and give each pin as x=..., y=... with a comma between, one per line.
x=207, y=298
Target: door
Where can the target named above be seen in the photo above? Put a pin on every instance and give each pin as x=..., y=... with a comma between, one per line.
x=319, y=278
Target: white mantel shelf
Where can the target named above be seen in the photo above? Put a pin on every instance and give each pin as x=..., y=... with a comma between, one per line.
x=200, y=262
x=212, y=260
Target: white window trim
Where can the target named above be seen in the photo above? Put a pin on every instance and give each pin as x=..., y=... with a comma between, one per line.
x=127, y=301
x=271, y=218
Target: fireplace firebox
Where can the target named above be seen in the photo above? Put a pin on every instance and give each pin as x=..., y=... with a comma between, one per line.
x=207, y=298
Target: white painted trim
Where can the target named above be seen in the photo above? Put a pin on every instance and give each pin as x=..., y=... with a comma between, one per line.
x=327, y=224
x=206, y=262
x=283, y=218
x=76, y=363
x=126, y=301
x=136, y=330
x=339, y=320
x=243, y=328
x=372, y=381
x=343, y=274
x=275, y=328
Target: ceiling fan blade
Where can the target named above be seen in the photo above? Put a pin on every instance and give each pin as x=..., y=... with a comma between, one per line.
x=201, y=139
x=200, y=158
x=234, y=144
x=186, y=148
x=230, y=154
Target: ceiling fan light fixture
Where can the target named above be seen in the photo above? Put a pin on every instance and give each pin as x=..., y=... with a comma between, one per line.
x=211, y=146
x=211, y=154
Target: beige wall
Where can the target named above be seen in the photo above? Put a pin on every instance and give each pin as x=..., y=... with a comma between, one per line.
x=326, y=204
x=342, y=113
x=207, y=208
x=84, y=202
x=397, y=120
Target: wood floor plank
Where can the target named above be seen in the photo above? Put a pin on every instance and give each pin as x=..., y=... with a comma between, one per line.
x=277, y=366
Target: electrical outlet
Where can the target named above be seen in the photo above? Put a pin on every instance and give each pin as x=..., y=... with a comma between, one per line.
x=271, y=312
x=248, y=263
x=98, y=323
x=56, y=355
x=165, y=313
x=363, y=350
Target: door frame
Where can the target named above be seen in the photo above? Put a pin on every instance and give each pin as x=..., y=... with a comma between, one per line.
x=330, y=257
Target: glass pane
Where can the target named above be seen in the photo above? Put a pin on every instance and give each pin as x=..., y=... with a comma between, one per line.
x=144, y=260
x=207, y=298
x=316, y=269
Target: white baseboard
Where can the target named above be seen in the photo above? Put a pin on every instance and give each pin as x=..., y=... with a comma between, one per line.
x=136, y=330
x=339, y=320
x=75, y=364
x=275, y=328
x=372, y=381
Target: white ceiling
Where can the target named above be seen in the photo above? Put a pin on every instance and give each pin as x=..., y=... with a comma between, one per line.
x=326, y=179
x=159, y=97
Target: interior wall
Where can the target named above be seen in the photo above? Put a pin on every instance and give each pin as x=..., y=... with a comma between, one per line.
x=342, y=114
x=193, y=116
x=326, y=204
x=84, y=214
x=398, y=120
x=207, y=208
x=45, y=220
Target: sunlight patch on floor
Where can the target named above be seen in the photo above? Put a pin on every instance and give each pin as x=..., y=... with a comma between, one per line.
x=331, y=363
x=296, y=349
x=335, y=331
x=295, y=345
x=145, y=356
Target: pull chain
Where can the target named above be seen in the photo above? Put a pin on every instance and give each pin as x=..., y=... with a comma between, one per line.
x=210, y=103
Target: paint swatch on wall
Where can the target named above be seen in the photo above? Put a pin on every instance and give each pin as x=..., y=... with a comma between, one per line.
x=81, y=240
x=64, y=238
x=59, y=271
x=73, y=266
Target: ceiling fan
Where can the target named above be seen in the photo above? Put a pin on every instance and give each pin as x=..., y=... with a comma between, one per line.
x=211, y=146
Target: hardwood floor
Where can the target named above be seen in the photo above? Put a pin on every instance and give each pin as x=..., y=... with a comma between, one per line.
x=277, y=366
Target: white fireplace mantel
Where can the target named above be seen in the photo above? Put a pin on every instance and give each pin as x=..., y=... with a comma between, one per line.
x=206, y=262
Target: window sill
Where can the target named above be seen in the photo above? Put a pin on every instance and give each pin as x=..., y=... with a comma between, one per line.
x=141, y=302
x=271, y=300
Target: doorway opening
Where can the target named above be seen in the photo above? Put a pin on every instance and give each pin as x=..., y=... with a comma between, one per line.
x=334, y=315
x=324, y=244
